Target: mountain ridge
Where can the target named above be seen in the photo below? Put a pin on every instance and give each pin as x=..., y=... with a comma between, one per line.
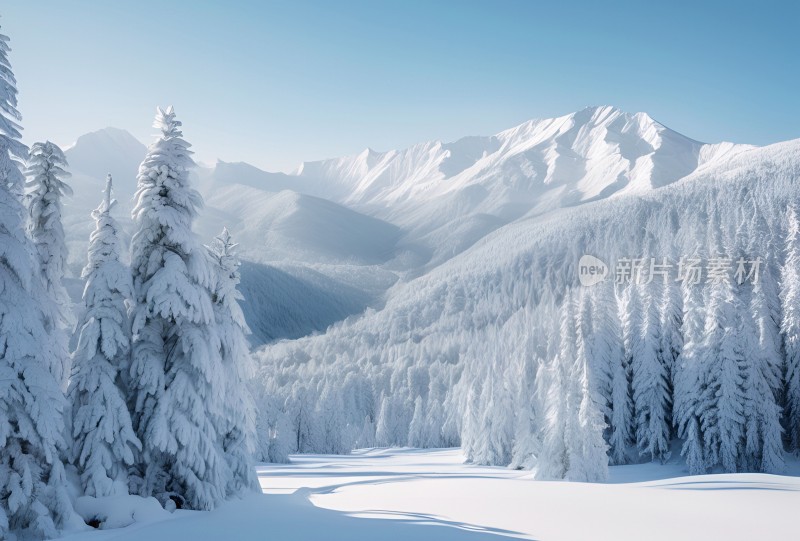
x=588, y=154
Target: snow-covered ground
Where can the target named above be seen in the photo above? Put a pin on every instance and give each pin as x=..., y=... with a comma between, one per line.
x=420, y=495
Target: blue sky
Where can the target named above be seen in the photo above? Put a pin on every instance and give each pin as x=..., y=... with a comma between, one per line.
x=276, y=83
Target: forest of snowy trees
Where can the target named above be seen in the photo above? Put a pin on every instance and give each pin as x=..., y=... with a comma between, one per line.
x=143, y=404
x=504, y=353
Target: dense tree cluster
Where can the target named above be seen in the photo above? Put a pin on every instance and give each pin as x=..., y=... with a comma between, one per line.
x=145, y=406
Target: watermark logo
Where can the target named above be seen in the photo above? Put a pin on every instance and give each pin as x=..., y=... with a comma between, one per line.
x=689, y=270
x=591, y=270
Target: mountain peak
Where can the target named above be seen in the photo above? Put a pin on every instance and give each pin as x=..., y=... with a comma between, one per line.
x=601, y=109
x=108, y=150
x=108, y=135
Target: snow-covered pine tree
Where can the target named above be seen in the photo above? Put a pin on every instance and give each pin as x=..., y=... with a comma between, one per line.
x=553, y=458
x=622, y=425
x=236, y=426
x=722, y=399
x=392, y=425
x=588, y=458
x=33, y=498
x=300, y=409
x=45, y=189
x=607, y=348
x=525, y=447
x=790, y=324
x=175, y=374
x=276, y=437
x=764, y=244
x=417, y=435
x=763, y=449
x=104, y=444
x=671, y=320
x=329, y=416
x=472, y=411
x=589, y=462
x=687, y=375
x=764, y=247
x=496, y=422
x=650, y=384
x=384, y=427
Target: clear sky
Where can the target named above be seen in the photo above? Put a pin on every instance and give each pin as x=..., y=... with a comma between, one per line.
x=276, y=83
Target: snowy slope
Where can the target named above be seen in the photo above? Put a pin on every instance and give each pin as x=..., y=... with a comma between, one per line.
x=291, y=226
x=402, y=494
x=466, y=338
x=290, y=301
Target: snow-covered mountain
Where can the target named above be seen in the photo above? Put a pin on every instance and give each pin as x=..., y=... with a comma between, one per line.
x=446, y=196
x=367, y=220
x=583, y=156
x=443, y=197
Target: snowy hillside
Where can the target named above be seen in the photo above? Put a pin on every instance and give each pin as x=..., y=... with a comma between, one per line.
x=291, y=226
x=470, y=352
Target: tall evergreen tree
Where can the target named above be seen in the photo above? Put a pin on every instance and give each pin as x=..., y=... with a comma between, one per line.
x=601, y=342
x=589, y=461
x=553, y=459
x=417, y=437
x=722, y=398
x=496, y=422
x=650, y=383
x=622, y=425
x=237, y=423
x=526, y=436
x=688, y=378
x=175, y=373
x=104, y=444
x=33, y=498
x=45, y=189
x=758, y=335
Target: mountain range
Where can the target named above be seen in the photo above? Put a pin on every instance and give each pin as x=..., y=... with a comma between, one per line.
x=364, y=223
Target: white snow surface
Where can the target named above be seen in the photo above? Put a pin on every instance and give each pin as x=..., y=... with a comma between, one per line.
x=403, y=494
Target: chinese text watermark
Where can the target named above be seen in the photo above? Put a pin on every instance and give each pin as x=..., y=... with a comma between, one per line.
x=688, y=270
